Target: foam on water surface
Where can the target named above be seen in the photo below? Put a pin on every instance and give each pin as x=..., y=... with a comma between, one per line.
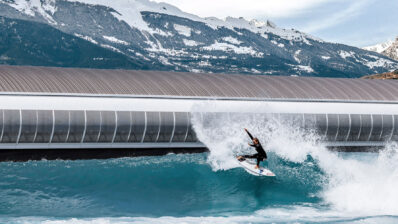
x=312, y=183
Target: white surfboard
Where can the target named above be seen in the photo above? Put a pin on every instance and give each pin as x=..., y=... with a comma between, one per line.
x=249, y=166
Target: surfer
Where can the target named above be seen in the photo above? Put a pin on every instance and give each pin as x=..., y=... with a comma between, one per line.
x=260, y=155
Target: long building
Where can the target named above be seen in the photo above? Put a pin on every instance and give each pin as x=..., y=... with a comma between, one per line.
x=68, y=108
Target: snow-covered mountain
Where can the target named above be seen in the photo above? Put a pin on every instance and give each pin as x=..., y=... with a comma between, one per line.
x=163, y=37
x=389, y=48
x=25, y=44
x=379, y=48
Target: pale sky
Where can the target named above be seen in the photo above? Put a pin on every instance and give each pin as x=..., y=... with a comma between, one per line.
x=354, y=22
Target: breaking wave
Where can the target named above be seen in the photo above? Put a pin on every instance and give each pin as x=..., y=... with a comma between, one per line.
x=363, y=184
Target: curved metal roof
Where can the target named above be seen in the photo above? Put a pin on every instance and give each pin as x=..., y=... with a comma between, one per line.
x=49, y=80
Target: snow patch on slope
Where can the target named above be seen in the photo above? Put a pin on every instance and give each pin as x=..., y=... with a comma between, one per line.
x=49, y=6
x=115, y=40
x=305, y=68
x=296, y=56
x=232, y=40
x=158, y=48
x=326, y=57
x=111, y=47
x=204, y=64
x=217, y=46
x=278, y=44
x=183, y=30
x=86, y=38
x=45, y=8
x=346, y=54
x=190, y=43
x=380, y=62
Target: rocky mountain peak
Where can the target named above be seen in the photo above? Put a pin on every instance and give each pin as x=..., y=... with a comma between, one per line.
x=392, y=50
x=262, y=24
x=389, y=48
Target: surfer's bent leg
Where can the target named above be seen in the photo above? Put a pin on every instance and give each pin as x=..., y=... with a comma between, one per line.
x=250, y=156
x=260, y=159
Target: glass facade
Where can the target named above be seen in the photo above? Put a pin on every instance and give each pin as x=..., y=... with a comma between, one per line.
x=93, y=126
x=11, y=126
x=181, y=127
x=61, y=126
x=355, y=128
x=332, y=127
x=377, y=128
x=191, y=136
x=388, y=126
x=139, y=125
x=29, y=126
x=366, y=127
x=108, y=126
x=77, y=126
x=46, y=126
x=123, y=125
x=394, y=136
x=344, y=127
x=152, y=126
x=321, y=124
x=166, y=126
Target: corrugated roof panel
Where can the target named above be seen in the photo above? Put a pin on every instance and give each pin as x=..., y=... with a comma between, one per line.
x=336, y=89
x=326, y=93
x=167, y=82
x=369, y=87
x=274, y=90
x=209, y=85
x=278, y=82
x=194, y=84
x=133, y=85
x=383, y=89
x=390, y=87
x=227, y=86
x=351, y=90
x=253, y=87
x=297, y=89
x=181, y=84
x=313, y=93
x=153, y=83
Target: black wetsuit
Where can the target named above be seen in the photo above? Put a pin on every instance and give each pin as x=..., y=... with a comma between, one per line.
x=260, y=155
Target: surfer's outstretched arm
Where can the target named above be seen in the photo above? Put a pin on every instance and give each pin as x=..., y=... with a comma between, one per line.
x=250, y=135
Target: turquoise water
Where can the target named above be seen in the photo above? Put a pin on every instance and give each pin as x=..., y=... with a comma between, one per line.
x=311, y=185
x=173, y=185
x=170, y=189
